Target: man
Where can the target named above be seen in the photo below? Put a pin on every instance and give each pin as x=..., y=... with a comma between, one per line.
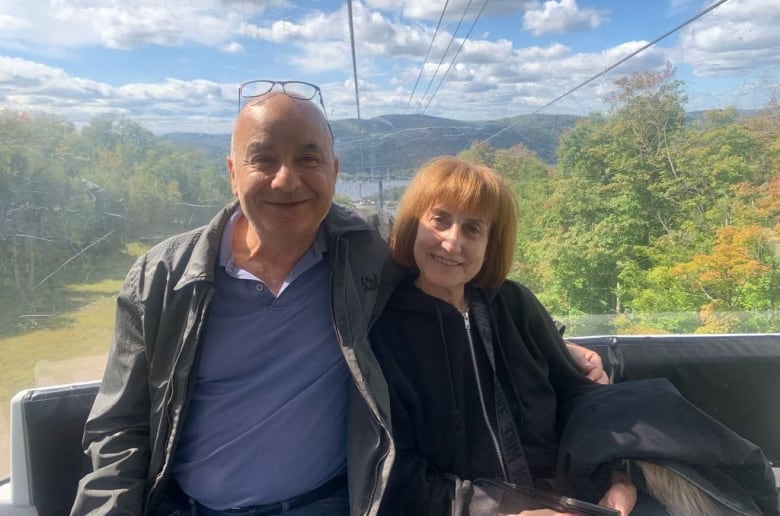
x=240, y=376
x=251, y=408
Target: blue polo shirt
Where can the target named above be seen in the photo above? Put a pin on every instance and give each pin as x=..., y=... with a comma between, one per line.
x=267, y=418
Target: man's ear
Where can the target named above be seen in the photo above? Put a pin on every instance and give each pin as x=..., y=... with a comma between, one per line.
x=232, y=173
x=335, y=174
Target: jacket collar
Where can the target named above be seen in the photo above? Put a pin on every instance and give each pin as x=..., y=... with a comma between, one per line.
x=203, y=260
x=340, y=220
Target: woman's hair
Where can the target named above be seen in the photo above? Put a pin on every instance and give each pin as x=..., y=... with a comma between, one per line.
x=463, y=186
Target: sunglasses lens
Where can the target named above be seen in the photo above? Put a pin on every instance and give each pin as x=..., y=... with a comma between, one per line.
x=300, y=90
x=294, y=89
x=256, y=88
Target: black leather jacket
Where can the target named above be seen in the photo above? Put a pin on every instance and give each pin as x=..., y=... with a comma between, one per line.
x=132, y=430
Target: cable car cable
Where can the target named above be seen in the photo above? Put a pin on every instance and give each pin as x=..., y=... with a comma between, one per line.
x=615, y=65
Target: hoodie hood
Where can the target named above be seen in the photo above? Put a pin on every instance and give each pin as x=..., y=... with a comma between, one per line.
x=410, y=298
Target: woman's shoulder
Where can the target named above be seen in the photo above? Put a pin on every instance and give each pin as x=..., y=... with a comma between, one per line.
x=406, y=300
x=512, y=290
x=516, y=298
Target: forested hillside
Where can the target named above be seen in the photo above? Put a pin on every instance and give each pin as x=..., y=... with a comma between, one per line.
x=71, y=201
x=655, y=223
x=660, y=225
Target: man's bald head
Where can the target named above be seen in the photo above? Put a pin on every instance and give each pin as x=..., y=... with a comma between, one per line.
x=283, y=168
x=274, y=105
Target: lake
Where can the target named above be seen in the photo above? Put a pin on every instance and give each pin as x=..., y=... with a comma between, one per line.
x=358, y=190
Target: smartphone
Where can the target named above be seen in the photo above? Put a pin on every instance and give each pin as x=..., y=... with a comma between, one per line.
x=557, y=502
x=573, y=505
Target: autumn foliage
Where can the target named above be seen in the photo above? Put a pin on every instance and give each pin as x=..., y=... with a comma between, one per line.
x=651, y=221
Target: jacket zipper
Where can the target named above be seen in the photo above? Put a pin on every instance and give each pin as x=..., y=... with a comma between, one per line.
x=170, y=442
x=360, y=381
x=377, y=420
x=493, y=436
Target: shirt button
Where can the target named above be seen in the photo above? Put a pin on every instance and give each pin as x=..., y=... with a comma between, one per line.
x=259, y=287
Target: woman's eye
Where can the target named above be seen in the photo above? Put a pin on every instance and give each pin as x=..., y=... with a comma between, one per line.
x=438, y=221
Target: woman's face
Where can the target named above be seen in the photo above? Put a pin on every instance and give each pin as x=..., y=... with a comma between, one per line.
x=450, y=248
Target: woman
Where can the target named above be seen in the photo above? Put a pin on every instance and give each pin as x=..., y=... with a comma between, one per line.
x=479, y=378
x=456, y=224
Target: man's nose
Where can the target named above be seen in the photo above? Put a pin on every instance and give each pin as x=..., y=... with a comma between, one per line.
x=286, y=178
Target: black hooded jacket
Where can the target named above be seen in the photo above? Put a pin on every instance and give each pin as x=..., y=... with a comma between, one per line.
x=422, y=345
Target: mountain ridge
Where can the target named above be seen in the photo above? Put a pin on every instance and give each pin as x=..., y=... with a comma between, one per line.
x=398, y=144
x=401, y=143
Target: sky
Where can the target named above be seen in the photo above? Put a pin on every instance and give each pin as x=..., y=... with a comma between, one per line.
x=175, y=65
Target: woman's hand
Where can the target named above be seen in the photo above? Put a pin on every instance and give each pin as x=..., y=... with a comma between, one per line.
x=589, y=362
x=621, y=495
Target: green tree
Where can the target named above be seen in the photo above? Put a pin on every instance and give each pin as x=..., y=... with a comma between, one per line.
x=636, y=194
x=530, y=179
x=64, y=191
x=607, y=203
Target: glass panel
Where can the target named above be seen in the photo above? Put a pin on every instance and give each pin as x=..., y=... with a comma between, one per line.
x=648, y=191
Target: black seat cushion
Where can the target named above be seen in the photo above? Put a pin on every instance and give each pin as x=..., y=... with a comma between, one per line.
x=54, y=425
x=733, y=378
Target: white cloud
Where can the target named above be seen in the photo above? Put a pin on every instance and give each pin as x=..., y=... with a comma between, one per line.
x=560, y=17
x=431, y=9
x=322, y=48
x=232, y=48
x=29, y=74
x=317, y=58
x=486, y=51
x=123, y=25
x=195, y=92
x=382, y=36
x=11, y=22
x=738, y=35
x=30, y=86
x=498, y=72
x=531, y=77
x=679, y=6
x=318, y=26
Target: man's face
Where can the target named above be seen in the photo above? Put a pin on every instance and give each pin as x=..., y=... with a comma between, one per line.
x=282, y=167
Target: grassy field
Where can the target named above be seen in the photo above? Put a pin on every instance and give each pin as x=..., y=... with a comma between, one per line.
x=74, y=352
x=73, y=345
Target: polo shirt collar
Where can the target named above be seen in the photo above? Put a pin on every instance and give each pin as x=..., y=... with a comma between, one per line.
x=310, y=258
